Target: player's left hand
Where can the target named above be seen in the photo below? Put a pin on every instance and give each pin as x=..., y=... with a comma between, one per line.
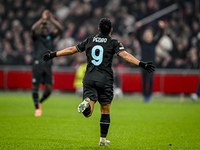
x=148, y=66
x=49, y=55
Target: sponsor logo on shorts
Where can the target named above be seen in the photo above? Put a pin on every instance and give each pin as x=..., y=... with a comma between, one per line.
x=48, y=37
x=34, y=80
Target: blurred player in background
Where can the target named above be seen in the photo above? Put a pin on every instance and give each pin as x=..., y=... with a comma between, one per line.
x=98, y=79
x=41, y=71
x=195, y=95
x=78, y=81
x=148, y=41
x=118, y=93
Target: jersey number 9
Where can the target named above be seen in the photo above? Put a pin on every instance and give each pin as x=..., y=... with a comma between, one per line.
x=97, y=58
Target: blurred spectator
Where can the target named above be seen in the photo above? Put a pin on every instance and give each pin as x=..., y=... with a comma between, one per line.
x=80, y=18
x=189, y=12
x=62, y=11
x=20, y=59
x=179, y=54
x=193, y=60
x=197, y=44
x=164, y=46
x=118, y=93
x=168, y=62
x=78, y=81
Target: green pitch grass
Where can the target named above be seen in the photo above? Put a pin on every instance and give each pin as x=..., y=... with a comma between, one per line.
x=165, y=123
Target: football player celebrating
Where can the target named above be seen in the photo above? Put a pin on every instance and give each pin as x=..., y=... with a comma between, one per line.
x=98, y=79
x=41, y=71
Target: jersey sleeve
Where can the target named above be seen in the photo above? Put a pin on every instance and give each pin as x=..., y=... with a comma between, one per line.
x=118, y=47
x=81, y=46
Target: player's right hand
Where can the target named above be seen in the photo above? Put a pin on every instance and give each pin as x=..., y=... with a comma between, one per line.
x=49, y=55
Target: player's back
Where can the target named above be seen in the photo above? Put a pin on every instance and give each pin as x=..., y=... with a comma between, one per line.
x=99, y=51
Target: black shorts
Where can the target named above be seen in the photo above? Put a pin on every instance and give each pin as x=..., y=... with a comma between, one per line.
x=42, y=74
x=98, y=91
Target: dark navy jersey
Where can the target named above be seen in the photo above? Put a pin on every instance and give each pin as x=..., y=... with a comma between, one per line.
x=41, y=45
x=100, y=50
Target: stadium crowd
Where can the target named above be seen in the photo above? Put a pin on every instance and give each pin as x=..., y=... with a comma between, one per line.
x=178, y=48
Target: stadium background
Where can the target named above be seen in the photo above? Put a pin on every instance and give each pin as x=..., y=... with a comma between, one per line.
x=177, y=61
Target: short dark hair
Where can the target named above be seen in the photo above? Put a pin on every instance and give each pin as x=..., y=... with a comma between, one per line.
x=105, y=26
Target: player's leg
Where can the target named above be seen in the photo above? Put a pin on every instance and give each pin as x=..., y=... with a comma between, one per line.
x=35, y=95
x=104, y=124
x=86, y=107
x=145, y=85
x=89, y=110
x=47, y=92
x=150, y=79
x=89, y=99
x=48, y=82
x=105, y=96
x=36, y=80
x=38, y=108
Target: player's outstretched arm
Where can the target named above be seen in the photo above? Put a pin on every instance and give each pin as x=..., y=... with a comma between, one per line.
x=67, y=51
x=148, y=66
x=130, y=58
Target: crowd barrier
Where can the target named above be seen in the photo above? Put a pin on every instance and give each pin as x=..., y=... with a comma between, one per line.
x=165, y=81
